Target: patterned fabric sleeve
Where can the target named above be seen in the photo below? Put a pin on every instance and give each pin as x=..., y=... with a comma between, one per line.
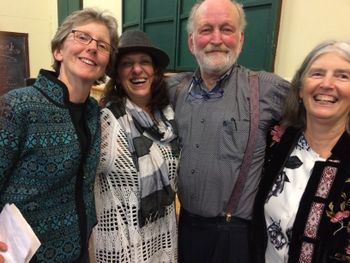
x=109, y=233
x=10, y=130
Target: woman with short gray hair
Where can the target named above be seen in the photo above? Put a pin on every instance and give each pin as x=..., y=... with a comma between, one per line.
x=50, y=139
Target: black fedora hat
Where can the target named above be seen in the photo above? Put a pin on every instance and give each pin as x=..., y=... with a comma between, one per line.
x=135, y=40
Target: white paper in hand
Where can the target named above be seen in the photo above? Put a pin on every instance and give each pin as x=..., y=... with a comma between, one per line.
x=18, y=235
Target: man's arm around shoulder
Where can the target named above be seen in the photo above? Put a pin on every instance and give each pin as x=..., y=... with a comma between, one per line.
x=176, y=82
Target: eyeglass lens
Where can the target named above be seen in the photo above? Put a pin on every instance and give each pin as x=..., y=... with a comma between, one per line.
x=86, y=39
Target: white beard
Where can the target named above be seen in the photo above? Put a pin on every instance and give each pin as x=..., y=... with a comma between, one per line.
x=216, y=63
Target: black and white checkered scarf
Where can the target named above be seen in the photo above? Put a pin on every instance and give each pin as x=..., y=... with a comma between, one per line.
x=142, y=133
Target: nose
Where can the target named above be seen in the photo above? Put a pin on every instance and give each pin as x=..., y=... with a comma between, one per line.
x=216, y=37
x=328, y=81
x=92, y=46
x=137, y=68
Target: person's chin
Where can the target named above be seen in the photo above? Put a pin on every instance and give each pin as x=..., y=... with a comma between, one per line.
x=217, y=68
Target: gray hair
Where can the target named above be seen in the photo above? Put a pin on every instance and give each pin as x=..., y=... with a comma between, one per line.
x=81, y=17
x=294, y=111
x=191, y=18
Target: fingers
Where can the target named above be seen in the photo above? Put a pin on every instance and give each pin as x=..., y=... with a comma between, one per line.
x=3, y=248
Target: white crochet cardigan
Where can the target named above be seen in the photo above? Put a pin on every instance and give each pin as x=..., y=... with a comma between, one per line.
x=117, y=237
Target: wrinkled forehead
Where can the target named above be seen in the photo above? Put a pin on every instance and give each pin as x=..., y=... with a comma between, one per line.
x=219, y=13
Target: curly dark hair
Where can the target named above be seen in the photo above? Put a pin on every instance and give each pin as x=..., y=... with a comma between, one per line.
x=114, y=92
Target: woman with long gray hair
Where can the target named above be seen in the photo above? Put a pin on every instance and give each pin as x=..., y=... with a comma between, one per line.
x=302, y=208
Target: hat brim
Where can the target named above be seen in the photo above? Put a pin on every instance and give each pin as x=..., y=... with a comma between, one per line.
x=161, y=59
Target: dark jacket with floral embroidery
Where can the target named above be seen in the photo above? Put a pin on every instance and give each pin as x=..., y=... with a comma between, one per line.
x=330, y=240
x=43, y=170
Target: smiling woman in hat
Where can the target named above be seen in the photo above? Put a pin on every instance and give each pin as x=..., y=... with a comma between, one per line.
x=135, y=184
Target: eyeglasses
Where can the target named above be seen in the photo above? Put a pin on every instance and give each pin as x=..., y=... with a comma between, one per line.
x=85, y=38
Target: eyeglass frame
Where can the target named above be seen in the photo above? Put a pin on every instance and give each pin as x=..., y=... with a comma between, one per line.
x=98, y=42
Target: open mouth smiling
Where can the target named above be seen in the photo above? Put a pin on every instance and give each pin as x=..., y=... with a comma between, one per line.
x=88, y=61
x=325, y=99
x=138, y=81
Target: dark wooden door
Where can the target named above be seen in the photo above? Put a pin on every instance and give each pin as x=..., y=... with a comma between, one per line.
x=165, y=22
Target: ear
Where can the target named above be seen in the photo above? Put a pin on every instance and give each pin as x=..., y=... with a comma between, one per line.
x=190, y=42
x=57, y=54
x=241, y=41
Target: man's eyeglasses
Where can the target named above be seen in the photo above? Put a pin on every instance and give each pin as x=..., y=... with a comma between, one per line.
x=85, y=38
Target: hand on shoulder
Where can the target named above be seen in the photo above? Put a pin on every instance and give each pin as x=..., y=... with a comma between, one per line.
x=3, y=248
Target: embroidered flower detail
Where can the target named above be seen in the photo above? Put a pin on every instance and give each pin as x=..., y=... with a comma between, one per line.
x=347, y=249
x=339, y=216
x=277, y=132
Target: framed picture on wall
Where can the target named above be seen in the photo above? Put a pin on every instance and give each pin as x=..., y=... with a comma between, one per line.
x=14, y=60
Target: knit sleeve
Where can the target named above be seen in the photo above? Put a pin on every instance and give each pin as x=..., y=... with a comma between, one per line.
x=106, y=140
x=11, y=126
x=114, y=145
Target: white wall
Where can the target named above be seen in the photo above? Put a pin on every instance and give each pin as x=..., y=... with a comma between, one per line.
x=38, y=18
x=305, y=23
x=113, y=6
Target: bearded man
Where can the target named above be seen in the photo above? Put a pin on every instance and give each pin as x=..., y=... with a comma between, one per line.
x=214, y=117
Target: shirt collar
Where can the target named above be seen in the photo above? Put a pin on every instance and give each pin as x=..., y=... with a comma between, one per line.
x=198, y=83
x=198, y=90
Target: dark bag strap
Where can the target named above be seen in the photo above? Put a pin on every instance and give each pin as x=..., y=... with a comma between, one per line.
x=248, y=155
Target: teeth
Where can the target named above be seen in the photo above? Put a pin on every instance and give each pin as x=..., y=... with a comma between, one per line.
x=325, y=98
x=138, y=81
x=87, y=61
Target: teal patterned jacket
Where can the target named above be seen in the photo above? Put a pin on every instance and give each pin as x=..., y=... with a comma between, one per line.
x=40, y=162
